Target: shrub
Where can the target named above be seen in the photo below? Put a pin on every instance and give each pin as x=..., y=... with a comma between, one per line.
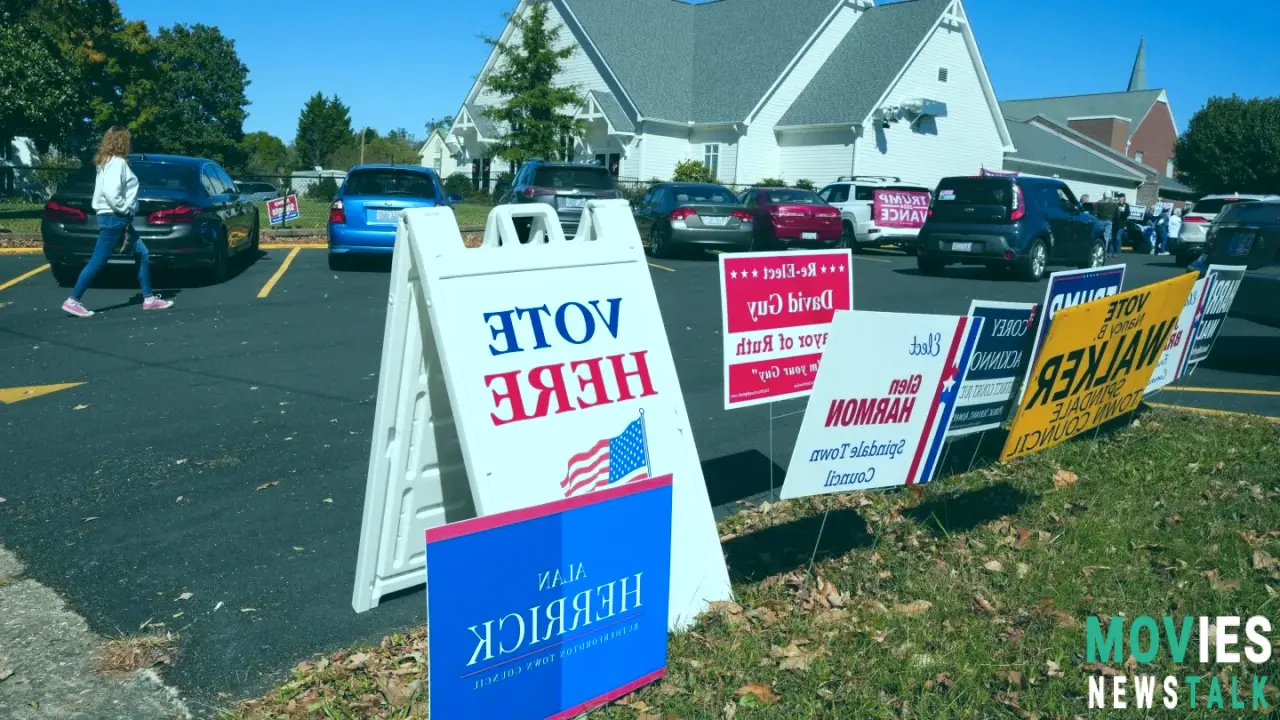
x=771, y=182
x=804, y=184
x=693, y=171
x=324, y=190
x=458, y=184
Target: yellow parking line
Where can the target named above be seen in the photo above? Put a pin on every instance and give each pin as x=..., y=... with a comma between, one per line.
x=660, y=267
x=21, y=251
x=1224, y=391
x=30, y=273
x=290, y=246
x=870, y=259
x=1207, y=411
x=266, y=289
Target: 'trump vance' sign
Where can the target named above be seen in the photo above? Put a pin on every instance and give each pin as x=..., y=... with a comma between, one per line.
x=899, y=208
x=567, y=611
x=775, y=310
x=535, y=371
x=1096, y=364
x=884, y=423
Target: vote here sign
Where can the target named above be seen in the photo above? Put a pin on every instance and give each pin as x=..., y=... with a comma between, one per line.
x=879, y=418
x=775, y=311
x=1095, y=364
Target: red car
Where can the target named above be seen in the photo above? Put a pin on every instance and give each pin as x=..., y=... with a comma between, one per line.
x=785, y=217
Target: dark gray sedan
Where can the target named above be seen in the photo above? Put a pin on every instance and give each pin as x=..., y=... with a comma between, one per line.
x=675, y=216
x=1249, y=234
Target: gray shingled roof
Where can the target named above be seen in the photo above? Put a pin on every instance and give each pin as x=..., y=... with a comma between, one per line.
x=711, y=62
x=484, y=124
x=613, y=110
x=1132, y=105
x=1168, y=183
x=860, y=70
x=1040, y=145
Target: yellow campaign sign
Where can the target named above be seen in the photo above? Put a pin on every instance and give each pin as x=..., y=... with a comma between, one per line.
x=1095, y=364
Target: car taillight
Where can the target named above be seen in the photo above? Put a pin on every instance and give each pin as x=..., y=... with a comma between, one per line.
x=532, y=191
x=1019, y=206
x=337, y=213
x=181, y=215
x=787, y=212
x=682, y=213
x=743, y=215
x=826, y=213
x=62, y=213
x=1194, y=219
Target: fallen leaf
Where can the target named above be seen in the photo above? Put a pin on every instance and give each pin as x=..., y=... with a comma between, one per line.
x=1153, y=425
x=1015, y=678
x=994, y=566
x=264, y=486
x=178, y=615
x=944, y=680
x=884, y=574
x=298, y=548
x=799, y=663
x=876, y=557
x=248, y=610
x=1218, y=584
x=1172, y=520
x=185, y=596
x=218, y=606
x=179, y=462
x=879, y=636
x=984, y=605
x=915, y=607
x=761, y=692
x=728, y=609
x=1192, y=467
x=179, y=499
x=328, y=500
x=827, y=617
x=356, y=661
x=5, y=674
x=1262, y=561
x=1044, y=536
x=88, y=519
x=730, y=710
x=1054, y=669
x=1101, y=669
x=1024, y=536
x=1064, y=478
x=80, y=407
x=1023, y=570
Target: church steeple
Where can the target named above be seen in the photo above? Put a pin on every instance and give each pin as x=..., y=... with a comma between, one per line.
x=1138, y=78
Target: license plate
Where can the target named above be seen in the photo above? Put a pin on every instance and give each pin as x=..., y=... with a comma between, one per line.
x=392, y=215
x=575, y=202
x=961, y=247
x=808, y=236
x=717, y=221
x=1241, y=244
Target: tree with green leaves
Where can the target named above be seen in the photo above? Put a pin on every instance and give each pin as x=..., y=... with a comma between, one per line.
x=264, y=154
x=440, y=123
x=38, y=95
x=1231, y=145
x=396, y=147
x=537, y=115
x=200, y=103
x=323, y=126
x=693, y=171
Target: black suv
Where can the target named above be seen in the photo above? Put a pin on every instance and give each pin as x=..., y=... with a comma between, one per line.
x=565, y=186
x=1019, y=223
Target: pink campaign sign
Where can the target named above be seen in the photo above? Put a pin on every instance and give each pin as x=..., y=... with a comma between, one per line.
x=900, y=208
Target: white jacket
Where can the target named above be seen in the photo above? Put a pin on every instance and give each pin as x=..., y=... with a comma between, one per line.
x=115, y=189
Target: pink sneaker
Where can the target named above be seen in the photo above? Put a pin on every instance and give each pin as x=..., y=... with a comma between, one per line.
x=75, y=308
x=155, y=303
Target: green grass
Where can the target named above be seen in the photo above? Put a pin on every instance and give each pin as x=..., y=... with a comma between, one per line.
x=25, y=217
x=966, y=598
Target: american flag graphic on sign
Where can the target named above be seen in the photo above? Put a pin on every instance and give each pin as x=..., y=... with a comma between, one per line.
x=933, y=437
x=612, y=461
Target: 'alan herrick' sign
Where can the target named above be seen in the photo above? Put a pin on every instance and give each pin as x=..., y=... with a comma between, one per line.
x=567, y=610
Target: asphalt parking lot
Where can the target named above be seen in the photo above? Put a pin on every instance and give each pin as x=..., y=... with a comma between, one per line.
x=220, y=448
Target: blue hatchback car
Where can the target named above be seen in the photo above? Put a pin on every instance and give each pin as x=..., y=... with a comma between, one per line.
x=363, y=217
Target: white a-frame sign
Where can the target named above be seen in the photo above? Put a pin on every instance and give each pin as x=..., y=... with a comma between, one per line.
x=519, y=374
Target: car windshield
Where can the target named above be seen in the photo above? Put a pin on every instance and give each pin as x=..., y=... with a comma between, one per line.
x=1251, y=212
x=975, y=191
x=704, y=194
x=390, y=182
x=1213, y=206
x=151, y=176
x=807, y=197
x=570, y=178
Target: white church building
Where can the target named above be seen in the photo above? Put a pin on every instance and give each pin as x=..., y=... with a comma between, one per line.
x=792, y=89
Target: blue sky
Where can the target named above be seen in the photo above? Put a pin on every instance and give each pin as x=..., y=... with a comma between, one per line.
x=399, y=62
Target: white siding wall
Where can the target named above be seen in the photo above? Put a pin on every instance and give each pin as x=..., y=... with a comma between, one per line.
x=728, y=141
x=1093, y=186
x=820, y=156
x=660, y=149
x=435, y=148
x=760, y=157
x=965, y=140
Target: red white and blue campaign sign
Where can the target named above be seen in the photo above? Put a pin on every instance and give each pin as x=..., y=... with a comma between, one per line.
x=1224, y=282
x=1068, y=288
x=998, y=364
x=550, y=611
x=1173, y=361
x=879, y=419
x=282, y=209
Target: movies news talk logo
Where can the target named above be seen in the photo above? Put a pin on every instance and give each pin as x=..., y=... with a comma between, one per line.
x=1222, y=640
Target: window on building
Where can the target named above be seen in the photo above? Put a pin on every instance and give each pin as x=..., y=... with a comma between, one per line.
x=1168, y=167
x=711, y=158
x=942, y=74
x=1138, y=156
x=439, y=161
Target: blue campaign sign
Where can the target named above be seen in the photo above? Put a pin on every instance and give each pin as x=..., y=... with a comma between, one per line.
x=996, y=368
x=550, y=611
x=1068, y=288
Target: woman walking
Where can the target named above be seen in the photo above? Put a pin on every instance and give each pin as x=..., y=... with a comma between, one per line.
x=115, y=200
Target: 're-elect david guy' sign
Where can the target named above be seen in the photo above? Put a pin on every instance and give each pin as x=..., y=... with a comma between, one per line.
x=775, y=310
x=550, y=611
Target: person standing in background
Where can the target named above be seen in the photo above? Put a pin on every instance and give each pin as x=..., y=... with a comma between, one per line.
x=1175, y=225
x=1119, y=219
x=115, y=200
x=1162, y=232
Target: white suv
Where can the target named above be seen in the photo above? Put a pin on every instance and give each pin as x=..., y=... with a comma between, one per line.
x=878, y=210
x=1190, y=242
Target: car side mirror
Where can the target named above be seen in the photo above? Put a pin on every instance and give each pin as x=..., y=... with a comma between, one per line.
x=455, y=198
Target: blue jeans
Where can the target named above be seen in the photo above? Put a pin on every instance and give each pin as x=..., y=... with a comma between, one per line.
x=1162, y=238
x=112, y=232
x=1117, y=237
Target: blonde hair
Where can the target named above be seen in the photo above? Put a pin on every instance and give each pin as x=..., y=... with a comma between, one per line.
x=115, y=143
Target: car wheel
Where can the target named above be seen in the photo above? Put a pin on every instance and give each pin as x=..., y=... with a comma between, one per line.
x=1097, y=255
x=66, y=275
x=929, y=265
x=848, y=238
x=220, y=270
x=659, y=246
x=759, y=242
x=1031, y=267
